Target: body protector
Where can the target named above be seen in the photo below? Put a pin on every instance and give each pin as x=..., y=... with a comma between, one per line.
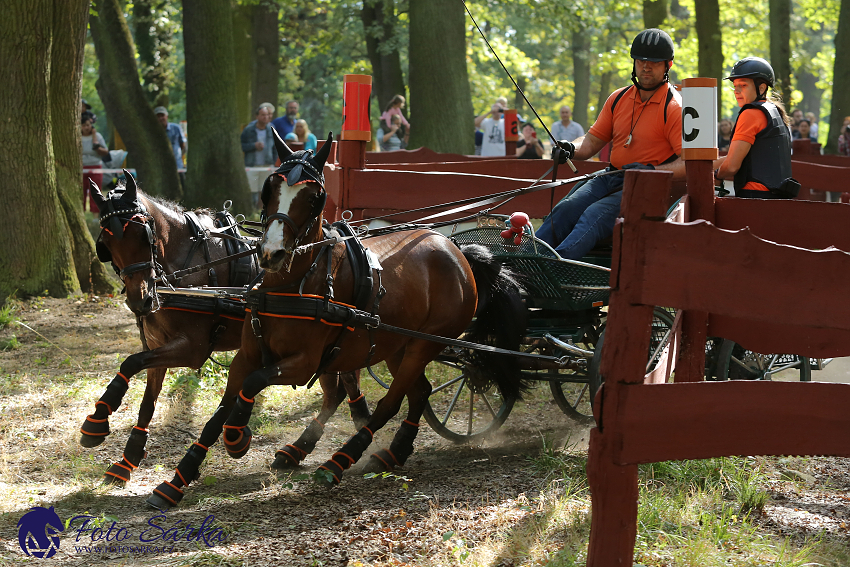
x=769, y=160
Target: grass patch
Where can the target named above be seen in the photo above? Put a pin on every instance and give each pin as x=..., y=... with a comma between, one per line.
x=691, y=514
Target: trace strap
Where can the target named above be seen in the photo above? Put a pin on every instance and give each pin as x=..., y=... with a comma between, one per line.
x=174, y=276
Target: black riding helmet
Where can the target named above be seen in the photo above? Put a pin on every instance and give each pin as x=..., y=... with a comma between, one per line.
x=652, y=44
x=755, y=68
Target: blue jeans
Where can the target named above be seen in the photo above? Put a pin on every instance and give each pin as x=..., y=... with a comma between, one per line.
x=583, y=218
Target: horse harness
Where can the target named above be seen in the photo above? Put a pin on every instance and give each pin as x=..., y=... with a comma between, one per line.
x=118, y=214
x=281, y=302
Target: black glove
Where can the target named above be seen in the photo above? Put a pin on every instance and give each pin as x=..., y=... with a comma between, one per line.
x=568, y=150
x=638, y=165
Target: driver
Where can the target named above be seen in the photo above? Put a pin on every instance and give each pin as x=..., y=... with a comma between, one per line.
x=644, y=123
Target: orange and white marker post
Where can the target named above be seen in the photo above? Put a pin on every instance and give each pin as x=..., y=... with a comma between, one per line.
x=699, y=150
x=356, y=127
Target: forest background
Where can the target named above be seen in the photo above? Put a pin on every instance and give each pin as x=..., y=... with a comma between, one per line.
x=212, y=62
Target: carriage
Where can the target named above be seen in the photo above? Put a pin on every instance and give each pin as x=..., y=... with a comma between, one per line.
x=566, y=303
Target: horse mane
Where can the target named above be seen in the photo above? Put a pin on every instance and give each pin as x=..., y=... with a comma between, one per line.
x=168, y=203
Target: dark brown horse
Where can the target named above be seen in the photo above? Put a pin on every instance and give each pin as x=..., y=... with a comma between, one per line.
x=432, y=286
x=144, y=237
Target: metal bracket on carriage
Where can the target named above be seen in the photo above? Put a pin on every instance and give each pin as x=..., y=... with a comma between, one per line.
x=572, y=349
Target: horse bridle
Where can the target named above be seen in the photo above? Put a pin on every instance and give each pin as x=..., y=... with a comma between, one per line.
x=318, y=205
x=131, y=214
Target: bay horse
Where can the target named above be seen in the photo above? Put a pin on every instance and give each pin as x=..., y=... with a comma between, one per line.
x=144, y=237
x=431, y=286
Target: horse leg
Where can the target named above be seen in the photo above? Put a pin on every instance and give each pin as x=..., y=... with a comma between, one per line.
x=360, y=413
x=134, y=451
x=332, y=395
x=405, y=371
x=96, y=426
x=237, y=434
x=402, y=446
x=169, y=494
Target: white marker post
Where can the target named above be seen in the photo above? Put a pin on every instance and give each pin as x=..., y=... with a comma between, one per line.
x=699, y=150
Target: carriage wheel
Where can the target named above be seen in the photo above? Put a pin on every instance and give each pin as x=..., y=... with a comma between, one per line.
x=736, y=363
x=465, y=404
x=571, y=389
x=662, y=324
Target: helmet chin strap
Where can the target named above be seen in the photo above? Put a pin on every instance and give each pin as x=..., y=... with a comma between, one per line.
x=637, y=84
x=761, y=96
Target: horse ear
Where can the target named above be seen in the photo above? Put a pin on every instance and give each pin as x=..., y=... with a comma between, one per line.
x=98, y=197
x=283, y=150
x=130, y=187
x=324, y=152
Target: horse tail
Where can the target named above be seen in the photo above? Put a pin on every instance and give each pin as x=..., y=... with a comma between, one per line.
x=500, y=319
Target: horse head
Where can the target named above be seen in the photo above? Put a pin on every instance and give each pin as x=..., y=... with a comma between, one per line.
x=128, y=240
x=300, y=173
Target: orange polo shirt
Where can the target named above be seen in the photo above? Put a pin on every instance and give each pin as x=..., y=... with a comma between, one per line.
x=653, y=140
x=750, y=122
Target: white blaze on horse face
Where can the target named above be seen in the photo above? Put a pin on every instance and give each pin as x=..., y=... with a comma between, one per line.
x=273, y=239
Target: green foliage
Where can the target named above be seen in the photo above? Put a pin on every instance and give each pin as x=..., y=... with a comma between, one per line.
x=8, y=313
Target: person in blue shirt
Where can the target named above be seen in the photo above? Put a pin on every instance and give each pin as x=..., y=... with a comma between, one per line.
x=286, y=123
x=257, y=140
x=174, y=133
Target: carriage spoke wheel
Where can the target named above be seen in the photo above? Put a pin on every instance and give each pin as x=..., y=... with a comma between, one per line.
x=465, y=404
x=661, y=335
x=736, y=363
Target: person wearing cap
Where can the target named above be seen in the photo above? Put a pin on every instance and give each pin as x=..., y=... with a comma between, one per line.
x=84, y=106
x=759, y=158
x=174, y=133
x=644, y=123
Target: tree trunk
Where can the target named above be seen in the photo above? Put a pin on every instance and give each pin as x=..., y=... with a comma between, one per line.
x=36, y=252
x=581, y=74
x=216, y=172
x=840, y=79
x=154, y=44
x=126, y=104
x=654, y=13
x=243, y=63
x=807, y=83
x=387, y=78
x=709, y=38
x=440, y=100
x=780, y=47
x=66, y=75
x=266, y=54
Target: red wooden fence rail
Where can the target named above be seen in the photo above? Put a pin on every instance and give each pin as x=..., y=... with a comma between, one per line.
x=375, y=183
x=765, y=273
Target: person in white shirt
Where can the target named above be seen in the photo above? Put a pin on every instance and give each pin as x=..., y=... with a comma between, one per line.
x=94, y=150
x=493, y=125
x=566, y=129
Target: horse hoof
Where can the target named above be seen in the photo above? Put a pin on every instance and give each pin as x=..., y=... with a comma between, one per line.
x=158, y=502
x=328, y=475
x=165, y=496
x=287, y=458
x=111, y=480
x=89, y=441
x=382, y=461
x=239, y=444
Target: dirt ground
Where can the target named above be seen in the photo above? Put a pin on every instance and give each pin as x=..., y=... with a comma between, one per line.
x=70, y=349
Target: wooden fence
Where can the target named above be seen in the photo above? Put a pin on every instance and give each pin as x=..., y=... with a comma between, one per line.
x=762, y=273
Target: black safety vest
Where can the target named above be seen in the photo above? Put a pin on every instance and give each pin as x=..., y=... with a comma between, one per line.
x=769, y=160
